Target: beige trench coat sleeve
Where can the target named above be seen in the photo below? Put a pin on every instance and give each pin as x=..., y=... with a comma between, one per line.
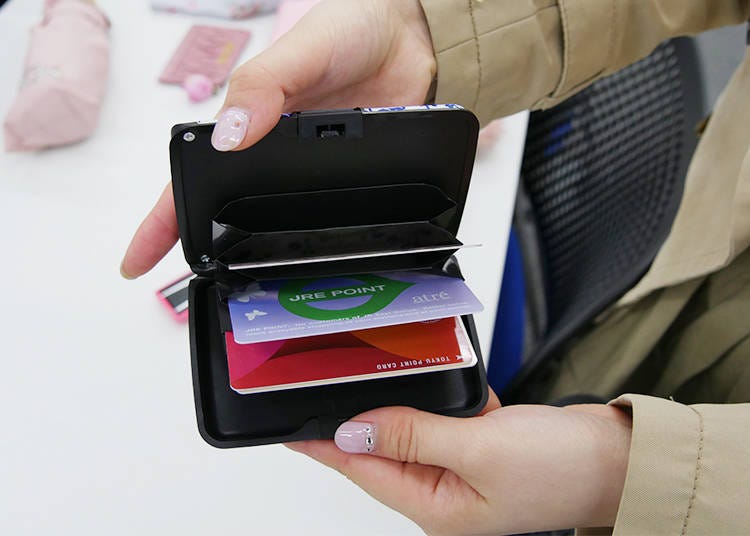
x=688, y=471
x=497, y=57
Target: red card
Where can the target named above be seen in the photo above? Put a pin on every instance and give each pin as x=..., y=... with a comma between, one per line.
x=355, y=355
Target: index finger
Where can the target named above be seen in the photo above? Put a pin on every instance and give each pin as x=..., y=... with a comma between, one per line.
x=153, y=239
x=253, y=106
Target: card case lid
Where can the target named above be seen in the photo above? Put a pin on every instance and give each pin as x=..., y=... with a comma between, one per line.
x=431, y=146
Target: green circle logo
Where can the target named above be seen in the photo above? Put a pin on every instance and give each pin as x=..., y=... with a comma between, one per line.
x=297, y=296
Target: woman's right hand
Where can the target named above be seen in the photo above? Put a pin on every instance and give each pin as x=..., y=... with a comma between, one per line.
x=342, y=54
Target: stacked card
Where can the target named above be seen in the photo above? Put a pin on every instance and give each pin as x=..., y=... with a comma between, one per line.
x=304, y=332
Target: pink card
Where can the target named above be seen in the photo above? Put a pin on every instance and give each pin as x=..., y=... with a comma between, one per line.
x=207, y=50
x=174, y=296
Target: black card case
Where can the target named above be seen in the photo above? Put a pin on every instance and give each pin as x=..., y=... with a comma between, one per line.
x=320, y=185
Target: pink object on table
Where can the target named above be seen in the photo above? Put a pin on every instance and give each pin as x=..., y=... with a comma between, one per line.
x=210, y=51
x=230, y=9
x=488, y=137
x=288, y=13
x=199, y=87
x=65, y=78
x=174, y=296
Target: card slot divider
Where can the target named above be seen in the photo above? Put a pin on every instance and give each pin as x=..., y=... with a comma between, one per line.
x=401, y=263
x=438, y=262
x=290, y=245
x=326, y=209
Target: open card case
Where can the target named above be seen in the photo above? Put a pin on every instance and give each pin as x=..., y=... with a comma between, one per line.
x=348, y=190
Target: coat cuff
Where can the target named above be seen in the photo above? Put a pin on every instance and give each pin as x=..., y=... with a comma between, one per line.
x=586, y=55
x=497, y=58
x=687, y=470
x=495, y=61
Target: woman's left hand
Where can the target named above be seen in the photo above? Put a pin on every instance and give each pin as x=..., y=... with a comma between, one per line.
x=509, y=470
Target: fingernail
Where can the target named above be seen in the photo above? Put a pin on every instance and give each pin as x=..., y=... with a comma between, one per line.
x=230, y=129
x=124, y=274
x=355, y=437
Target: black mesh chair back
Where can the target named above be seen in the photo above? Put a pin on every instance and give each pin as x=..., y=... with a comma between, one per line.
x=604, y=173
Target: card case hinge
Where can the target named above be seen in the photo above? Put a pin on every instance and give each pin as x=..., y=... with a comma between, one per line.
x=206, y=266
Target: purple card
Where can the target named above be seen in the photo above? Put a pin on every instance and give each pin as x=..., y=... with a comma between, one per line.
x=286, y=309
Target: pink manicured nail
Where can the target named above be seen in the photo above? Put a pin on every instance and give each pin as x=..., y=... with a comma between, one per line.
x=355, y=437
x=230, y=129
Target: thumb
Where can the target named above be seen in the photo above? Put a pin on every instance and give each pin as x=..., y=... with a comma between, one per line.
x=253, y=105
x=258, y=90
x=406, y=435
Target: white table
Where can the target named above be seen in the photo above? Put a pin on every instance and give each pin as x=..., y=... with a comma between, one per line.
x=98, y=426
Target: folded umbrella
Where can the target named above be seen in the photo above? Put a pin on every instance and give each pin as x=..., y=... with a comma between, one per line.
x=65, y=78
